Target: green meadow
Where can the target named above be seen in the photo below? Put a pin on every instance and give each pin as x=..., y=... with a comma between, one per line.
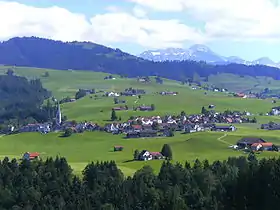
x=80, y=149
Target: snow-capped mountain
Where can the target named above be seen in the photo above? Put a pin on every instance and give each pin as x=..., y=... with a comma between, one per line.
x=264, y=61
x=201, y=53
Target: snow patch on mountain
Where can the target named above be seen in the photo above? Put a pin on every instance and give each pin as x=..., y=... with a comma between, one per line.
x=201, y=53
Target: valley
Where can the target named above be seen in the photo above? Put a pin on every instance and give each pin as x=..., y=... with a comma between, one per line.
x=82, y=148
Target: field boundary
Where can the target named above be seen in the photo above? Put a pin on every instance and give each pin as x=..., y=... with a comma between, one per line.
x=220, y=139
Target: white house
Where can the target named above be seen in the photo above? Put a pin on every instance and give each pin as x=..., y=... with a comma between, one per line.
x=145, y=155
x=112, y=94
x=276, y=110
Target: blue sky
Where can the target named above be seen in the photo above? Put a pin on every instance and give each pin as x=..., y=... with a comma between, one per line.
x=230, y=29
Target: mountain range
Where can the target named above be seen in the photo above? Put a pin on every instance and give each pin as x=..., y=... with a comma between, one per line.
x=201, y=53
x=51, y=54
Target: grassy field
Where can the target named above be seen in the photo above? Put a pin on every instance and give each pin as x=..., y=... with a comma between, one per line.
x=237, y=83
x=98, y=109
x=81, y=149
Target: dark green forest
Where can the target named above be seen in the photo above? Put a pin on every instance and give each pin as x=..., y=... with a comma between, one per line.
x=22, y=100
x=235, y=184
x=44, y=53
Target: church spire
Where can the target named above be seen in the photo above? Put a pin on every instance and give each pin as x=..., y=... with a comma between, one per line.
x=58, y=115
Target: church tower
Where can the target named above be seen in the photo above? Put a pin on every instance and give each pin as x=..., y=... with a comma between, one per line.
x=58, y=115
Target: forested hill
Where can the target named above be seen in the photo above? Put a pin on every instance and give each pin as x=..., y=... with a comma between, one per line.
x=44, y=53
x=21, y=99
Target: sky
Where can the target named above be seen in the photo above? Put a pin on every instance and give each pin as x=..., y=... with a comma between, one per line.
x=246, y=28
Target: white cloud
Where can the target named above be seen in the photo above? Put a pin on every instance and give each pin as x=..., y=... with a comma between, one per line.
x=231, y=19
x=139, y=12
x=122, y=27
x=226, y=19
x=58, y=23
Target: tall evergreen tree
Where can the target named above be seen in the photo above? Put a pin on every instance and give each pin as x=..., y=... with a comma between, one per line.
x=114, y=115
x=166, y=151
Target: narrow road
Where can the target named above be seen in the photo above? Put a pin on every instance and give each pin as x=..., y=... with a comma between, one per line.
x=221, y=139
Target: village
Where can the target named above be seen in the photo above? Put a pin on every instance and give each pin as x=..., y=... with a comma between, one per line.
x=155, y=126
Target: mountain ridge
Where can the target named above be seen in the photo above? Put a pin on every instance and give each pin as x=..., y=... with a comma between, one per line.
x=200, y=52
x=51, y=54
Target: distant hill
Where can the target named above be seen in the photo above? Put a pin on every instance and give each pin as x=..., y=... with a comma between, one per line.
x=201, y=53
x=45, y=53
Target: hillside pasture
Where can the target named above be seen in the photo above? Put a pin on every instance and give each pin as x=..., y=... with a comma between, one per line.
x=191, y=101
x=81, y=149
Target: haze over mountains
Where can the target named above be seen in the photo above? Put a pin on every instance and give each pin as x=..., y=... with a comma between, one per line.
x=202, y=53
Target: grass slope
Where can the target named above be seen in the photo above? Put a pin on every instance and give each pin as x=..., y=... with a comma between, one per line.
x=80, y=149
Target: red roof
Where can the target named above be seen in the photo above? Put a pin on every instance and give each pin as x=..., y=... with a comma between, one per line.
x=155, y=153
x=240, y=94
x=137, y=126
x=33, y=154
x=266, y=144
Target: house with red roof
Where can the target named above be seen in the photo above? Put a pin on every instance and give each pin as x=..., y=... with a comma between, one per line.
x=266, y=146
x=31, y=155
x=146, y=155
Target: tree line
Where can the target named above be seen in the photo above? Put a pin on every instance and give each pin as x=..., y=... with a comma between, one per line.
x=44, y=53
x=234, y=184
x=22, y=101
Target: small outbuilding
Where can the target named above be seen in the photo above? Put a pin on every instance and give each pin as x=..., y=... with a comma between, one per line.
x=118, y=148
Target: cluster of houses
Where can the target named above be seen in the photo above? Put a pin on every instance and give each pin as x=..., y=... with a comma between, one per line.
x=161, y=126
x=152, y=126
x=127, y=92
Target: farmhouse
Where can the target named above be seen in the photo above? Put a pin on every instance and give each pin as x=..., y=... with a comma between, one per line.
x=30, y=156
x=275, y=110
x=263, y=147
x=112, y=94
x=118, y=148
x=223, y=128
x=168, y=93
x=109, y=77
x=145, y=108
x=271, y=126
x=120, y=108
x=133, y=92
x=143, y=79
x=146, y=155
x=241, y=95
x=249, y=141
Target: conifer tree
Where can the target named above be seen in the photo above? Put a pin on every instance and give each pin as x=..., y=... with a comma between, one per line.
x=166, y=151
x=114, y=115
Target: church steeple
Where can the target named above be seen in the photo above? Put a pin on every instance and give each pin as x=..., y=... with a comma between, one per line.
x=58, y=115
